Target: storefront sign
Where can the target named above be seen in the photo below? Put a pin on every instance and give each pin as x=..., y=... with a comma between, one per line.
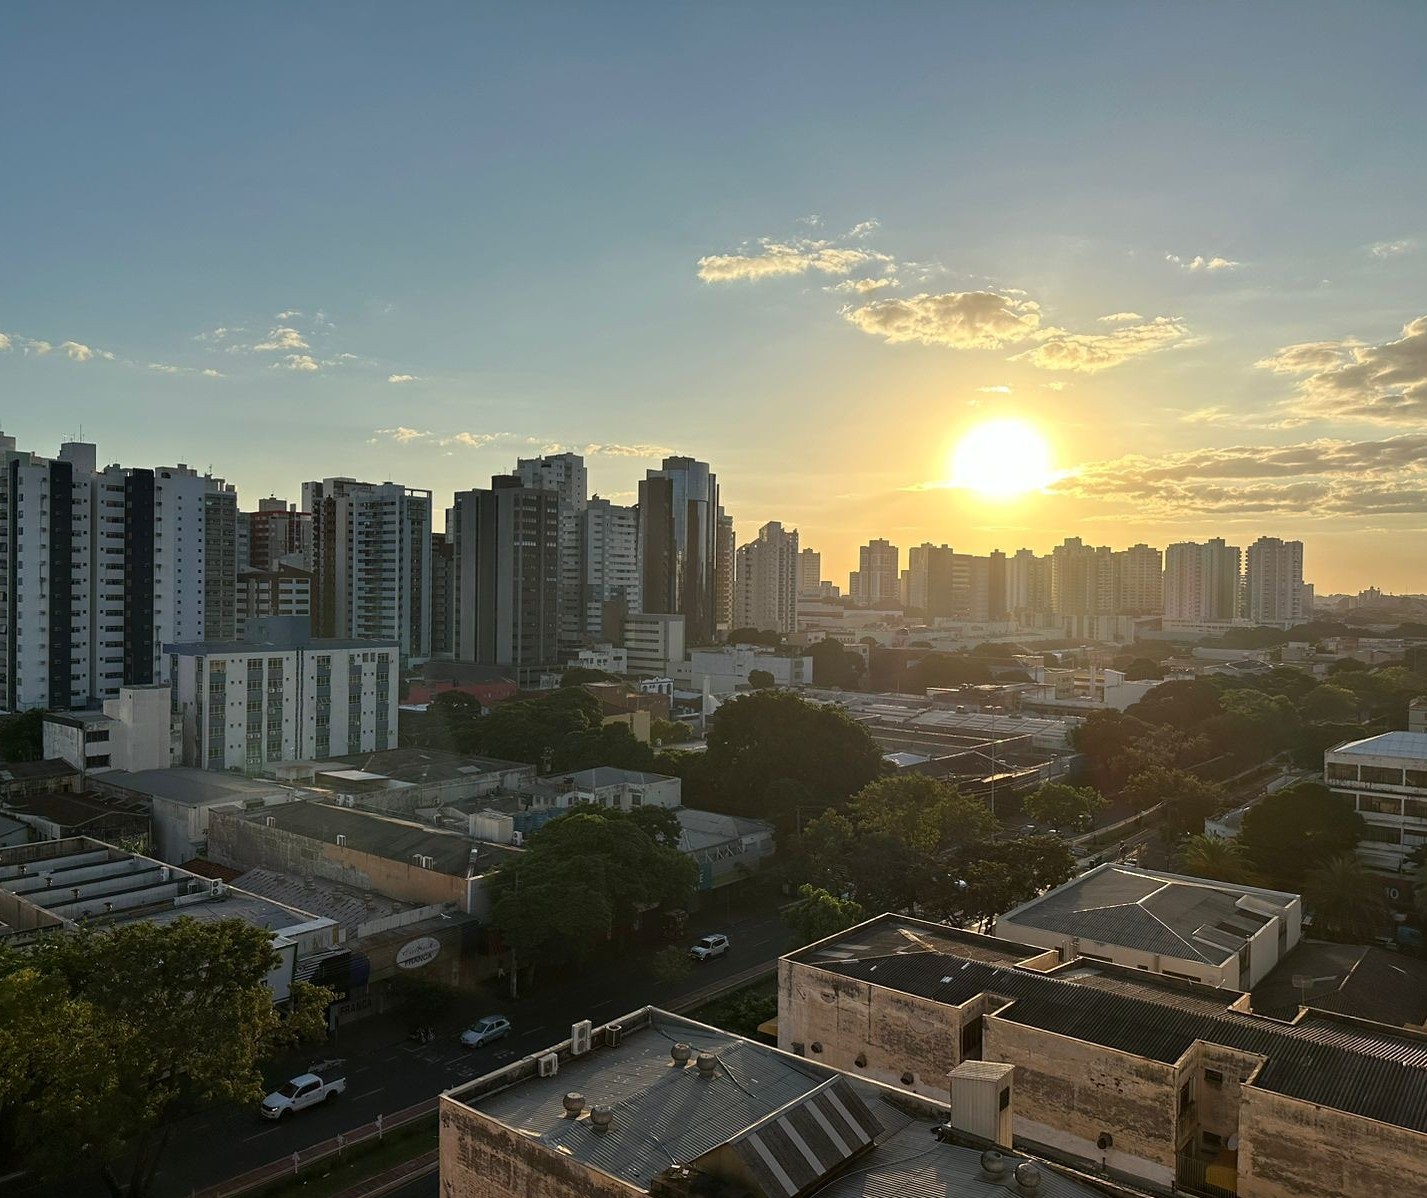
x=416, y=953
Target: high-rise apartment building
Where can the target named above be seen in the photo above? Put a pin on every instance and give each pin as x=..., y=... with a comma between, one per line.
x=99, y=568
x=810, y=572
x=1081, y=579
x=609, y=570
x=929, y=582
x=278, y=532
x=1137, y=581
x=506, y=544
x=725, y=573
x=767, y=581
x=565, y=474
x=679, y=543
x=372, y=562
x=283, y=591
x=1201, y=581
x=1274, y=590
x=443, y=594
x=877, y=578
x=1028, y=583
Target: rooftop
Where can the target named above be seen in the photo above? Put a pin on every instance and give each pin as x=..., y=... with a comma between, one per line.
x=1409, y=745
x=605, y=775
x=423, y=765
x=1351, y=979
x=384, y=836
x=1363, y=1068
x=33, y=771
x=345, y=905
x=777, y=1122
x=193, y=787
x=1190, y=918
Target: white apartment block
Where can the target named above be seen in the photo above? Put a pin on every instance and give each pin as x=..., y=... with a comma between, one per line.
x=1385, y=777
x=1137, y=580
x=282, y=695
x=1201, y=581
x=877, y=578
x=1274, y=590
x=608, y=569
x=810, y=572
x=565, y=474
x=653, y=642
x=766, y=581
x=372, y=562
x=133, y=732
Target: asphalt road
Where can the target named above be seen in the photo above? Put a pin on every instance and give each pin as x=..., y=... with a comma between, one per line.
x=387, y=1072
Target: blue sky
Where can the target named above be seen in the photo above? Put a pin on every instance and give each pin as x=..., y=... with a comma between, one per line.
x=264, y=212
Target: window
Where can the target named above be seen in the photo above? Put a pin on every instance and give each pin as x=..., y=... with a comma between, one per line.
x=1381, y=835
x=1382, y=775
x=1213, y=1077
x=1339, y=772
x=1381, y=804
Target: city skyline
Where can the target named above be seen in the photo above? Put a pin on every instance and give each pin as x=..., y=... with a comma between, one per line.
x=1200, y=282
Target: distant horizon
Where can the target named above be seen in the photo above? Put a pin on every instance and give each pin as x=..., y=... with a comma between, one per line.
x=1137, y=273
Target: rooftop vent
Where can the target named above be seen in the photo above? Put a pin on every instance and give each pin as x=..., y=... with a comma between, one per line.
x=574, y=1103
x=601, y=1117
x=1028, y=1178
x=993, y=1164
x=681, y=1053
x=707, y=1063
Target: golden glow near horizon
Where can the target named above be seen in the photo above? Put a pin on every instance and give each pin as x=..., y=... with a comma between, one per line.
x=1002, y=459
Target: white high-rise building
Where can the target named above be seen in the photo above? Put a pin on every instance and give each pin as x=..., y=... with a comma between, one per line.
x=372, y=562
x=609, y=570
x=99, y=568
x=877, y=578
x=565, y=474
x=1201, y=581
x=1274, y=590
x=766, y=581
x=1137, y=580
x=810, y=572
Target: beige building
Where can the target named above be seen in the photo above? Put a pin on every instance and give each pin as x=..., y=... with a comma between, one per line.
x=1221, y=935
x=1116, y=1069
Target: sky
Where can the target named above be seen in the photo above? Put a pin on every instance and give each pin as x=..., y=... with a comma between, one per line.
x=817, y=245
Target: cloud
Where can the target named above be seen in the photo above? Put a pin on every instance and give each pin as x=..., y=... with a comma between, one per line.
x=5, y=342
x=775, y=259
x=302, y=362
x=1322, y=478
x=38, y=348
x=1119, y=317
x=1394, y=249
x=76, y=352
x=1349, y=380
x=394, y=378
x=1091, y=352
x=957, y=319
x=403, y=434
x=999, y=389
x=280, y=338
x=1200, y=263
x=862, y=228
x=210, y=374
x=626, y=451
x=861, y=286
x=165, y=368
x=288, y=315
x=1057, y=385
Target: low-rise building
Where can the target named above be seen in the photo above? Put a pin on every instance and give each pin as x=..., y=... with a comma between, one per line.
x=56, y=886
x=1169, y=1083
x=1216, y=933
x=653, y=642
x=1385, y=778
x=606, y=786
x=59, y=815
x=656, y=1104
x=725, y=669
x=405, y=781
x=134, y=732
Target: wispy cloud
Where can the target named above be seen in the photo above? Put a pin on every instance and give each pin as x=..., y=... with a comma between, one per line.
x=998, y=389
x=1119, y=318
x=304, y=363
x=1348, y=380
x=775, y=259
x=1394, y=249
x=281, y=338
x=955, y=319
x=1201, y=263
x=76, y=352
x=1091, y=352
x=402, y=378
x=862, y=286
x=626, y=451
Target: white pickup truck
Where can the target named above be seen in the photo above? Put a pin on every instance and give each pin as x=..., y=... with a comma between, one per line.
x=305, y=1090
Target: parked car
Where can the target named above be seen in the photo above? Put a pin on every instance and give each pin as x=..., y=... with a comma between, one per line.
x=710, y=947
x=485, y=1031
x=302, y=1091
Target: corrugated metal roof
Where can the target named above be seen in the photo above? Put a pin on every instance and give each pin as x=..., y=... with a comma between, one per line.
x=1365, y=1069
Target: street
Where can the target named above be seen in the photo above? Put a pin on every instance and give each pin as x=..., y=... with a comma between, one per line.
x=387, y=1072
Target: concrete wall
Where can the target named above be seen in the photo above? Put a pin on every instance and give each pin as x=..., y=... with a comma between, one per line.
x=245, y=843
x=482, y=1159
x=1292, y=1149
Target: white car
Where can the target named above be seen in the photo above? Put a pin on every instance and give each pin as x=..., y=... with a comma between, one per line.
x=302, y=1091
x=486, y=1031
x=710, y=947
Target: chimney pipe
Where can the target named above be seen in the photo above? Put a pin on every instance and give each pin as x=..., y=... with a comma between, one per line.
x=707, y=1064
x=574, y=1103
x=681, y=1053
x=601, y=1117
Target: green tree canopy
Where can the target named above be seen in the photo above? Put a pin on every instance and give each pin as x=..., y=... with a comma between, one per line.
x=818, y=914
x=1057, y=805
x=1329, y=704
x=1297, y=829
x=1188, y=800
x=1346, y=901
x=763, y=737
x=760, y=680
x=584, y=877
x=835, y=666
x=106, y=1036
x=1217, y=858
x=22, y=736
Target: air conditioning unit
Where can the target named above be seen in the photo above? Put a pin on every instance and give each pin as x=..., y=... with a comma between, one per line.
x=580, y=1034
x=216, y=889
x=549, y=1065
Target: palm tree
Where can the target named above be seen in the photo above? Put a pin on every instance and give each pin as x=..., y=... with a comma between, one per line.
x=1217, y=858
x=1347, y=902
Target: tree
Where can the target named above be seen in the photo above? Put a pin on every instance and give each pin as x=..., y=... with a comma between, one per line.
x=835, y=666
x=670, y=964
x=944, y=669
x=1329, y=704
x=583, y=878
x=762, y=737
x=979, y=883
x=669, y=732
x=1057, y=805
x=760, y=680
x=1141, y=669
x=1216, y=858
x=604, y=744
x=22, y=736
x=1297, y=829
x=1188, y=800
x=579, y=675
x=1347, y=902
x=546, y=731
x=107, y=1037
x=818, y=914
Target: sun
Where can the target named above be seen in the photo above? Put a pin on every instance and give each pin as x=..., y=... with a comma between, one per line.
x=1002, y=459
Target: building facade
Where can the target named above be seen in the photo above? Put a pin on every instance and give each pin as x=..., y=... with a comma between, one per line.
x=877, y=578
x=679, y=545
x=1202, y=581
x=767, y=581
x=565, y=474
x=1385, y=778
x=1274, y=590
x=609, y=570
